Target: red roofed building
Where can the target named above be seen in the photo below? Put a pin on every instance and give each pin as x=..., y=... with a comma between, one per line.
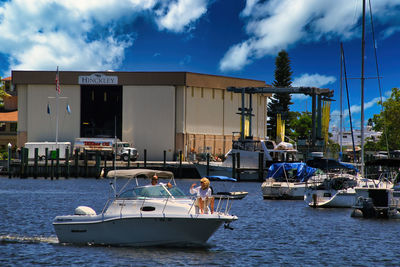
x=8, y=129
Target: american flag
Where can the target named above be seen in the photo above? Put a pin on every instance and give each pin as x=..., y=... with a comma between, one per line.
x=58, y=89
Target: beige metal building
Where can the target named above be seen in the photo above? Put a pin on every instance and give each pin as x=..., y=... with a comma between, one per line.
x=156, y=111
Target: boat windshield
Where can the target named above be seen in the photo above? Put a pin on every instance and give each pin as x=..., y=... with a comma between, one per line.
x=157, y=191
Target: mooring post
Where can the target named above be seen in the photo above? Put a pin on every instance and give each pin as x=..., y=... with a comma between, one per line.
x=233, y=165
x=9, y=160
x=86, y=164
x=76, y=163
x=22, y=164
x=261, y=166
x=208, y=164
x=238, y=166
x=51, y=167
x=180, y=163
x=35, y=164
x=98, y=160
x=46, y=158
x=67, y=163
x=58, y=163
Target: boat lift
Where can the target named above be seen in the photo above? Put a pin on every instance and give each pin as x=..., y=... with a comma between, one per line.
x=321, y=93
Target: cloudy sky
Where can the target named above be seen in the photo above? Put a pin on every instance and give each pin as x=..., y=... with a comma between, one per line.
x=233, y=38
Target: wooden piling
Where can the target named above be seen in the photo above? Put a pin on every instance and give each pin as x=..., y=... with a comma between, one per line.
x=261, y=166
x=76, y=163
x=67, y=170
x=21, y=169
x=98, y=160
x=9, y=161
x=35, y=164
x=51, y=168
x=180, y=163
x=86, y=164
x=208, y=164
x=57, y=163
x=238, y=166
x=233, y=165
x=46, y=158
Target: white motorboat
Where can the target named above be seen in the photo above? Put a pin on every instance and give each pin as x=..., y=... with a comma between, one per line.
x=142, y=216
x=287, y=181
x=249, y=153
x=338, y=190
x=225, y=193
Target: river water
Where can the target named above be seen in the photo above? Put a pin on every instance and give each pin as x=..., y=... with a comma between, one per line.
x=268, y=232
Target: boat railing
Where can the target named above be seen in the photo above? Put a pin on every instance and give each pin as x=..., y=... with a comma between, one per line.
x=228, y=205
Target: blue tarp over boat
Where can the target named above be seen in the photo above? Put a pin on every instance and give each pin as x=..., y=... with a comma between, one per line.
x=298, y=171
x=329, y=164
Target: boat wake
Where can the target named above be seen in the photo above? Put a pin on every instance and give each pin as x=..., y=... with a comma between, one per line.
x=12, y=239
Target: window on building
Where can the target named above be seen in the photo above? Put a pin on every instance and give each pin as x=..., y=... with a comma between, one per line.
x=13, y=127
x=2, y=126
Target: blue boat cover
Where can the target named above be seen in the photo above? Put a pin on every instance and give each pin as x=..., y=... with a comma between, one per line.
x=302, y=174
x=328, y=164
x=221, y=178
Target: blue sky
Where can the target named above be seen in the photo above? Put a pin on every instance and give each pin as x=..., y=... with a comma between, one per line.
x=236, y=38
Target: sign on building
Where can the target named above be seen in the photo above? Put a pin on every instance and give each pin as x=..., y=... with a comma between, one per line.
x=98, y=78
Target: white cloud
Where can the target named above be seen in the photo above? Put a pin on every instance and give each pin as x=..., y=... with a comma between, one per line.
x=180, y=14
x=311, y=80
x=277, y=24
x=82, y=35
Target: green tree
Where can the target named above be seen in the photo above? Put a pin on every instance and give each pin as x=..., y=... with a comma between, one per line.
x=279, y=103
x=301, y=125
x=388, y=122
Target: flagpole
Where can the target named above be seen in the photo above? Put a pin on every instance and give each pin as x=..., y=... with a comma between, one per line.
x=57, y=100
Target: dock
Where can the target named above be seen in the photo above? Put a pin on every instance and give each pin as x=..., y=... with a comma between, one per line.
x=53, y=169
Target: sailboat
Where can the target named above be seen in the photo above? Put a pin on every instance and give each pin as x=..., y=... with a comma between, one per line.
x=341, y=191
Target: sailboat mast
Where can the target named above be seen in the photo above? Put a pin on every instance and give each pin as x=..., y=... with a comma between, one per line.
x=362, y=88
x=57, y=100
x=341, y=105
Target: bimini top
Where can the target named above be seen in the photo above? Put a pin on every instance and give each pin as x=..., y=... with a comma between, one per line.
x=139, y=173
x=290, y=171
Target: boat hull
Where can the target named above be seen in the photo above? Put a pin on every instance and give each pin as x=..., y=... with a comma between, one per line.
x=286, y=191
x=331, y=198
x=138, y=231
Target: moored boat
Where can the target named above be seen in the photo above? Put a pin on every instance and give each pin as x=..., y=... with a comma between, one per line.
x=249, y=153
x=287, y=181
x=376, y=203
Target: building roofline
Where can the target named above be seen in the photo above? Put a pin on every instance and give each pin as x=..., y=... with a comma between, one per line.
x=136, y=78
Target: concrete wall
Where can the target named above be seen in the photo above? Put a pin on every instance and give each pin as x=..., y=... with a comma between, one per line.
x=37, y=124
x=149, y=119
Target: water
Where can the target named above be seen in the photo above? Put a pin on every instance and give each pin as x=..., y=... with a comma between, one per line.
x=267, y=233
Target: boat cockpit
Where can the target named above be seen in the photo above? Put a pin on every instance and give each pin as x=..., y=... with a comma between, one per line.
x=152, y=191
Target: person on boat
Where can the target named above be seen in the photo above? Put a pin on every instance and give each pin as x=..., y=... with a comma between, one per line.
x=204, y=196
x=154, y=181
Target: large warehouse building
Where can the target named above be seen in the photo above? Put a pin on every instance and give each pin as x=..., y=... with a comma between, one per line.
x=156, y=111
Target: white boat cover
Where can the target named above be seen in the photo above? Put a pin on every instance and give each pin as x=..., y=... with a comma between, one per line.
x=145, y=173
